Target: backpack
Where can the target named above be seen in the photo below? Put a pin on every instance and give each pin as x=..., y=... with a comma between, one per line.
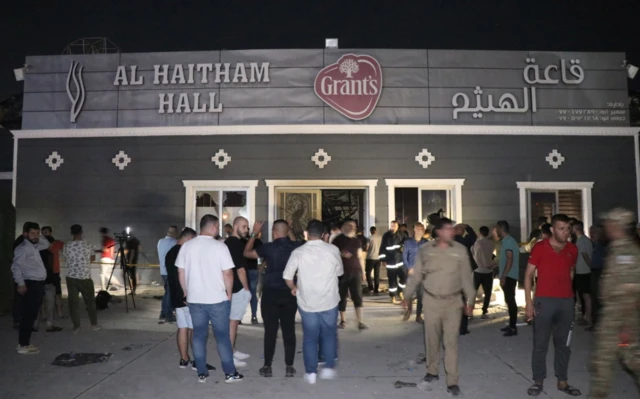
x=102, y=300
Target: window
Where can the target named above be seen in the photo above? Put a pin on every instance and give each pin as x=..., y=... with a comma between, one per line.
x=224, y=199
x=412, y=200
x=541, y=200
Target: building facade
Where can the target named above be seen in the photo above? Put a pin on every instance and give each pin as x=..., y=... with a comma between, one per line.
x=152, y=139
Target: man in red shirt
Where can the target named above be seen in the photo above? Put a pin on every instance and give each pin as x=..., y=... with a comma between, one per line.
x=552, y=308
x=107, y=259
x=55, y=248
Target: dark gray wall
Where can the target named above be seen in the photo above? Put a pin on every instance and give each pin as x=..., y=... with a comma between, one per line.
x=148, y=194
x=6, y=150
x=418, y=87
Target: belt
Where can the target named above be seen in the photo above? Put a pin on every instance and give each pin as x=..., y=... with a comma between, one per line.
x=450, y=296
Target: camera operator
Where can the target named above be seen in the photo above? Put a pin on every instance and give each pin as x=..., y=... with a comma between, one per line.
x=107, y=259
x=132, y=250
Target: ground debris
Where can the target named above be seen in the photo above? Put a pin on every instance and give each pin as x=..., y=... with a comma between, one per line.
x=134, y=346
x=73, y=359
x=401, y=384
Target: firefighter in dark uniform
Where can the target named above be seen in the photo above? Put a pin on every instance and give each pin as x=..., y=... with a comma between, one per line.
x=391, y=257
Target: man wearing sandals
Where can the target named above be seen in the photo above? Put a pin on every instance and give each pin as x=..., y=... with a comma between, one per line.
x=617, y=332
x=552, y=309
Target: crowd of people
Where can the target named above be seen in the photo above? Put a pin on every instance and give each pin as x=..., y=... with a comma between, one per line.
x=213, y=281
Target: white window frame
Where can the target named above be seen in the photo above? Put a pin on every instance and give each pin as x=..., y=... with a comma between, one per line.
x=193, y=186
x=453, y=187
x=368, y=185
x=525, y=199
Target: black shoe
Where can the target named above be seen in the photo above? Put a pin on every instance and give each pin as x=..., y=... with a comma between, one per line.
x=505, y=329
x=266, y=371
x=465, y=332
x=290, y=371
x=194, y=368
x=454, y=390
x=254, y=320
x=430, y=378
x=231, y=378
x=202, y=378
x=184, y=363
x=511, y=332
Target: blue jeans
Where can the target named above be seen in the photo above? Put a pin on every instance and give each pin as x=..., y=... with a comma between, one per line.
x=252, y=275
x=320, y=330
x=218, y=315
x=167, y=311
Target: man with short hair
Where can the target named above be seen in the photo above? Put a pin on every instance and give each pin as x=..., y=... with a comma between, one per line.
x=409, y=256
x=241, y=292
x=55, y=248
x=132, y=251
x=391, y=257
x=373, y=261
x=206, y=277
x=278, y=306
x=29, y=274
x=443, y=269
x=49, y=298
x=351, y=281
x=317, y=266
x=465, y=235
x=107, y=259
x=79, y=255
x=179, y=302
x=228, y=230
x=509, y=272
x=582, y=278
x=335, y=231
x=553, y=306
x=482, y=251
x=164, y=246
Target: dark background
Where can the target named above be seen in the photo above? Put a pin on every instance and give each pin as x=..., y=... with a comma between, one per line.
x=45, y=28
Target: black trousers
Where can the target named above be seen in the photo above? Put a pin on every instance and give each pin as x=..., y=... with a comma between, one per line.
x=397, y=280
x=279, y=309
x=133, y=277
x=31, y=302
x=595, y=294
x=509, y=290
x=353, y=286
x=486, y=281
x=373, y=265
x=464, y=322
x=17, y=305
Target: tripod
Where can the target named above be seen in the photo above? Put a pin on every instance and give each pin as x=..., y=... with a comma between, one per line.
x=126, y=281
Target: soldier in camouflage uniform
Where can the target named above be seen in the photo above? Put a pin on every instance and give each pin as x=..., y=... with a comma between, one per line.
x=618, y=334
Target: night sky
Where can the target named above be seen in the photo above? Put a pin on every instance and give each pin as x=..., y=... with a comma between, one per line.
x=45, y=28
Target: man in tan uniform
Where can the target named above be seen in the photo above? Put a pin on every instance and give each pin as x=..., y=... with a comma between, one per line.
x=618, y=331
x=443, y=269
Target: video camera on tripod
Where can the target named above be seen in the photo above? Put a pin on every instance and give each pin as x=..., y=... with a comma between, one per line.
x=103, y=297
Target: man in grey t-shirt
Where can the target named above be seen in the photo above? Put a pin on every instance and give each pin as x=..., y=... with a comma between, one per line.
x=373, y=261
x=582, y=279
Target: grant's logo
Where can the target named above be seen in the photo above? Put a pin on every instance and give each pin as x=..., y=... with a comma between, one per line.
x=351, y=86
x=76, y=93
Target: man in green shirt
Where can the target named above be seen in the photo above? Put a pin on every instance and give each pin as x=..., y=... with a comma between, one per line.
x=509, y=270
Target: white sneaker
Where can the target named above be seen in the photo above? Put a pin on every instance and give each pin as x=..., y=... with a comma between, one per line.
x=239, y=363
x=328, y=374
x=310, y=378
x=240, y=356
x=28, y=350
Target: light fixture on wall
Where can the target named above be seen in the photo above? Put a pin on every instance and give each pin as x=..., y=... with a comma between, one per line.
x=632, y=70
x=331, y=43
x=20, y=72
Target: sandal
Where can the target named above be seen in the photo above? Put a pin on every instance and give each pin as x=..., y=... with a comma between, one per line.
x=571, y=391
x=534, y=390
x=341, y=325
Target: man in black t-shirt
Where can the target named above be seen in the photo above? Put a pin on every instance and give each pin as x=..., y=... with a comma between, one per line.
x=253, y=275
x=179, y=301
x=241, y=293
x=132, y=251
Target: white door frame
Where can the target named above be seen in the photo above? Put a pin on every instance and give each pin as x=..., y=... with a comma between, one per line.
x=523, y=186
x=193, y=186
x=368, y=185
x=454, y=186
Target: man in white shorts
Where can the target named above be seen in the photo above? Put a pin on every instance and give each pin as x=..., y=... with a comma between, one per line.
x=241, y=292
x=178, y=301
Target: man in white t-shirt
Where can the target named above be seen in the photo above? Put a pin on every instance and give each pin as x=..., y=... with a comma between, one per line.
x=318, y=265
x=582, y=278
x=206, y=277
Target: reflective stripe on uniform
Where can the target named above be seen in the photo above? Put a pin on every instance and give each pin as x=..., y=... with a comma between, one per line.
x=397, y=265
x=401, y=285
x=393, y=247
x=393, y=289
x=382, y=256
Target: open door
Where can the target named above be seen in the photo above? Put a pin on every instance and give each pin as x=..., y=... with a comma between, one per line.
x=299, y=206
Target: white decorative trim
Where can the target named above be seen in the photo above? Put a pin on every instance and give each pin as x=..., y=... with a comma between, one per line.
x=321, y=163
x=121, y=160
x=221, y=163
x=587, y=205
x=239, y=130
x=369, y=185
x=192, y=186
x=555, y=159
x=14, y=181
x=6, y=175
x=54, y=160
x=454, y=186
x=420, y=158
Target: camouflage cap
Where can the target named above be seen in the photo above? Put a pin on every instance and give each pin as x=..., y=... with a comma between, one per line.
x=619, y=216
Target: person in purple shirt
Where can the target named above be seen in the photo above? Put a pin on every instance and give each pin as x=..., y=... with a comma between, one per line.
x=411, y=250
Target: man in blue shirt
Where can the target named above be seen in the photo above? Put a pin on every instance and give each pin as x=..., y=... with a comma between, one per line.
x=411, y=249
x=164, y=246
x=509, y=272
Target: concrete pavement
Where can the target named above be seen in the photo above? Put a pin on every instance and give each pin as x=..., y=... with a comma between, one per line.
x=145, y=361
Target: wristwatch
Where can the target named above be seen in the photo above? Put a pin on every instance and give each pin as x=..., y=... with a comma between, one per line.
x=252, y=235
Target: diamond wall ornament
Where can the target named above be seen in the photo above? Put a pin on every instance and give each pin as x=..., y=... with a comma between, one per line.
x=425, y=158
x=321, y=158
x=555, y=159
x=121, y=160
x=221, y=158
x=54, y=160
